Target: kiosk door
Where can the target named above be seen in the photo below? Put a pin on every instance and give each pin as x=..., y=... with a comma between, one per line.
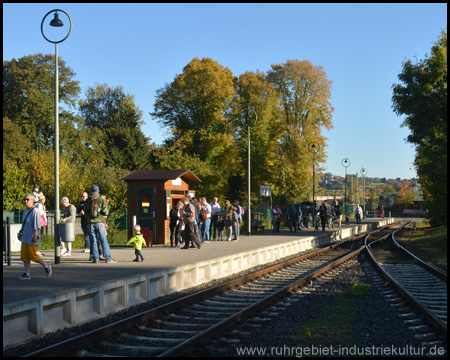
x=146, y=214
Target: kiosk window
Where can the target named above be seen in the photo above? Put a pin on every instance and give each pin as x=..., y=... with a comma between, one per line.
x=145, y=200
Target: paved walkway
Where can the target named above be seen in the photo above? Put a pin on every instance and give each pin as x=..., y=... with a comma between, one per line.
x=77, y=271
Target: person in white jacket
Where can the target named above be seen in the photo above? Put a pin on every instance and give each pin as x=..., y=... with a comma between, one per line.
x=358, y=214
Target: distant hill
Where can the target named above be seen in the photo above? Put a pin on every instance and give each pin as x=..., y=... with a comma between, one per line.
x=328, y=181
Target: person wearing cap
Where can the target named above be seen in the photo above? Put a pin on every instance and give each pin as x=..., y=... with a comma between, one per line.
x=96, y=225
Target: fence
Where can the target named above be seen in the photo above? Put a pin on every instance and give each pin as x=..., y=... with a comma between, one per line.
x=116, y=217
x=374, y=213
x=7, y=241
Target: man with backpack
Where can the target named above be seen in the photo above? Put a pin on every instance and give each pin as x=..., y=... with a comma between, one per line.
x=95, y=211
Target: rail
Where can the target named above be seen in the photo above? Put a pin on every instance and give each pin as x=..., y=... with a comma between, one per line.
x=441, y=326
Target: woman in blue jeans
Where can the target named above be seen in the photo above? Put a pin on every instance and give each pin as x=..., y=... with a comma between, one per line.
x=206, y=223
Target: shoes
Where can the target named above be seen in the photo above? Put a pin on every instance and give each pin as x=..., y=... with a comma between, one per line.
x=94, y=261
x=86, y=251
x=48, y=270
x=136, y=260
x=67, y=254
x=101, y=257
x=199, y=247
x=91, y=258
x=63, y=251
x=25, y=277
x=184, y=247
x=110, y=261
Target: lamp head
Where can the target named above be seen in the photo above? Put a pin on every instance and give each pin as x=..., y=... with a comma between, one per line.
x=56, y=22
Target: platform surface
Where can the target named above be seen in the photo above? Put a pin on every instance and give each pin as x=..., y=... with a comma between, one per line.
x=77, y=271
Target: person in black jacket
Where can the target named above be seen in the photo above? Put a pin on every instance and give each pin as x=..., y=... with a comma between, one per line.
x=337, y=209
x=323, y=215
x=174, y=224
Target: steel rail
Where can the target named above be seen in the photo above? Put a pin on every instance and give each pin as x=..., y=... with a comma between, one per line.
x=83, y=340
x=205, y=336
x=440, y=326
x=437, y=272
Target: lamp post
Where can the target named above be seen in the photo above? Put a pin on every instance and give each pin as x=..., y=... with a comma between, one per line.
x=363, y=172
x=249, y=124
x=313, y=148
x=357, y=189
x=345, y=163
x=56, y=22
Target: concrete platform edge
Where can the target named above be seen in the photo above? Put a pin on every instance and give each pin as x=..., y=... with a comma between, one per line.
x=33, y=318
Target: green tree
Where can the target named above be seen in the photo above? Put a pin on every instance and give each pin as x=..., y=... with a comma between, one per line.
x=116, y=121
x=15, y=185
x=422, y=97
x=28, y=95
x=15, y=144
x=255, y=104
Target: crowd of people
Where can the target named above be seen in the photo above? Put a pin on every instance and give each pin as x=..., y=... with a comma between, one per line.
x=192, y=223
x=195, y=222
x=93, y=211
x=319, y=215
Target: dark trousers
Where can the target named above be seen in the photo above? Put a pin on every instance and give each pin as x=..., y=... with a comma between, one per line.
x=174, y=234
x=189, y=234
x=86, y=235
x=213, y=228
x=323, y=219
x=138, y=254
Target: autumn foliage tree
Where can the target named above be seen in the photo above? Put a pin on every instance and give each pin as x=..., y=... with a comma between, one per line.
x=208, y=112
x=206, y=109
x=304, y=93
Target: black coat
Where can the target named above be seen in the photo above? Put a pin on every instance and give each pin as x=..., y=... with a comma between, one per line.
x=173, y=217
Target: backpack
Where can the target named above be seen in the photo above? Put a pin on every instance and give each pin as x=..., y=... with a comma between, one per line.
x=242, y=210
x=94, y=208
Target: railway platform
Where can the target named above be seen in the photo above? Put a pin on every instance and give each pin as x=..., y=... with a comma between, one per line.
x=79, y=291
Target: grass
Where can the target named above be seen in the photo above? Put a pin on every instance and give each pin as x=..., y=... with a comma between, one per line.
x=331, y=325
x=334, y=324
x=431, y=240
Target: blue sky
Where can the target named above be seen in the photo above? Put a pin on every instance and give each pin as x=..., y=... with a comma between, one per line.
x=143, y=46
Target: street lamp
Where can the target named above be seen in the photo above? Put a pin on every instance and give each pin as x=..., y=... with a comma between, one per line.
x=56, y=22
x=247, y=116
x=345, y=163
x=363, y=174
x=313, y=148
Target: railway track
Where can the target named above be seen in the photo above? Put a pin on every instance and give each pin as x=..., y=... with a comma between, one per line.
x=179, y=327
x=421, y=285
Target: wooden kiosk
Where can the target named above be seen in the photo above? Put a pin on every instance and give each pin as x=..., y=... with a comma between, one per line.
x=151, y=195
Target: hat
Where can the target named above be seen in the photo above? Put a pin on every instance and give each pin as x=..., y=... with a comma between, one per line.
x=95, y=188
